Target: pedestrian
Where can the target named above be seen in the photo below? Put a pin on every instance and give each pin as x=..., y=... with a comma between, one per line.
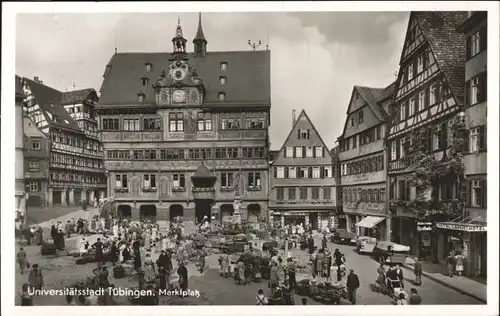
x=415, y=298
x=35, y=278
x=399, y=273
x=304, y=301
x=67, y=229
x=291, y=273
x=450, y=263
x=261, y=298
x=22, y=259
x=352, y=286
x=324, y=242
x=201, y=255
x=183, y=276
x=149, y=269
x=53, y=232
x=163, y=278
x=381, y=274
x=99, y=257
x=273, y=277
x=26, y=298
x=241, y=272
x=103, y=277
x=137, y=260
x=313, y=286
x=113, y=253
x=417, y=269
x=459, y=263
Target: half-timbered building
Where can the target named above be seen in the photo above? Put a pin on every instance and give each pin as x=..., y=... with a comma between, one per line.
x=363, y=163
x=162, y=114
x=302, y=183
x=429, y=96
x=76, y=164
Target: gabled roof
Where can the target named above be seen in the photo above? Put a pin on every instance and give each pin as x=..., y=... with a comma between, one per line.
x=248, y=76
x=76, y=96
x=280, y=151
x=447, y=45
x=30, y=128
x=373, y=97
x=202, y=172
x=49, y=101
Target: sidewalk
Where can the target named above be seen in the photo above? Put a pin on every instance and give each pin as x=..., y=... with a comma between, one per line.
x=463, y=285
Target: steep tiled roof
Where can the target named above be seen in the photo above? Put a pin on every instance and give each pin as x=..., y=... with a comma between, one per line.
x=448, y=45
x=373, y=96
x=77, y=96
x=202, y=172
x=49, y=101
x=248, y=77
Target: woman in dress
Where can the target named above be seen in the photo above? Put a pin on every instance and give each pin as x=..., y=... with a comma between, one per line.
x=164, y=243
x=147, y=241
x=225, y=264
x=82, y=246
x=115, y=230
x=149, y=269
x=459, y=263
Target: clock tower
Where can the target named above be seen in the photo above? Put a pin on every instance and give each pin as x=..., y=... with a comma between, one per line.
x=180, y=84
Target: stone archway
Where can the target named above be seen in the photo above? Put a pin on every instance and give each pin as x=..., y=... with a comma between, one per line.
x=124, y=211
x=176, y=210
x=226, y=210
x=148, y=212
x=253, y=213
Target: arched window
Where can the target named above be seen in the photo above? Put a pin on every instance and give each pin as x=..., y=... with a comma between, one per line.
x=370, y=196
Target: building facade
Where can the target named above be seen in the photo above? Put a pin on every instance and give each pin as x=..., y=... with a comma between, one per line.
x=20, y=194
x=162, y=114
x=363, y=163
x=76, y=164
x=475, y=158
x=429, y=99
x=302, y=183
x=36, y=164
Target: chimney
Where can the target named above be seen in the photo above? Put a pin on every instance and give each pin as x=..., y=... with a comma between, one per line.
x=293, y=117
x=35, y=79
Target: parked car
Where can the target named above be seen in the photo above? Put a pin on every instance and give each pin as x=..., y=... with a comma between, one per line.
x=365, y=244
x=390, y=253
x=342, y=236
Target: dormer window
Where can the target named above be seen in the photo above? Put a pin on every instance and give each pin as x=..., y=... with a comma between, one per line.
x=222, y=80
x=223, y=66
x=222, y=96
x=144, y=81
x=140, y=97
x=149, y=67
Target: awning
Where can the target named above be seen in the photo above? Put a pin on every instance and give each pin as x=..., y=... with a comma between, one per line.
x=464, y=224
x=370, y=221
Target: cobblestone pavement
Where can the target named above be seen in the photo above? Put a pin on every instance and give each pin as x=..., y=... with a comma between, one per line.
x=62, y=271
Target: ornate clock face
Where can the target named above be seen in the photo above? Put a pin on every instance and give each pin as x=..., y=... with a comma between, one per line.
x=178, y=74
x=179, y=96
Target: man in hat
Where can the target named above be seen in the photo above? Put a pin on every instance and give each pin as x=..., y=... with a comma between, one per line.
x=352, y=286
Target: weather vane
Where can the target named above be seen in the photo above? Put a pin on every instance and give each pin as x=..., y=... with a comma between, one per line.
x=254, y=45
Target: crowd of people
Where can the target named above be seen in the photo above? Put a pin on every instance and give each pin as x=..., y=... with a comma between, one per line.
x=122, y=243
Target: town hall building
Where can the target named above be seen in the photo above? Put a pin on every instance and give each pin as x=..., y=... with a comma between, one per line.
x=162, y=116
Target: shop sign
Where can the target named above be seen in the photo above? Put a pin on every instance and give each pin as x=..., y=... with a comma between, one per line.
x=424, y=226
x=295, y=214
x=461, y=227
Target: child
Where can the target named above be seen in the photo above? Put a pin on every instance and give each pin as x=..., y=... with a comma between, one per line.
x=261, y=298
x=304, y=301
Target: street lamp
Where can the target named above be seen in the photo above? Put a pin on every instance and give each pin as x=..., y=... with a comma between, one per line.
x=108, y=186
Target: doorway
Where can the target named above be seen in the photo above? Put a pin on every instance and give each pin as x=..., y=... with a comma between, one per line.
x=148, y=212
x=253, y=213
x=202, y=208
x=176, y=210
x=124, y=211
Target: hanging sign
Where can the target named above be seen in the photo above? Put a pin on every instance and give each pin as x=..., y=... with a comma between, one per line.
x=424, y=226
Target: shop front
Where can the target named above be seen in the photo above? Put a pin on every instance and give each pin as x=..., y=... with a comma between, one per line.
x=467, y=239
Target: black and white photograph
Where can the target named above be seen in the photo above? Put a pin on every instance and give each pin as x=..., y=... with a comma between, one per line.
x=226, y=154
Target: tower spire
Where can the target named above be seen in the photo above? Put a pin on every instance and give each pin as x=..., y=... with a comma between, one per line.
x=199, y=41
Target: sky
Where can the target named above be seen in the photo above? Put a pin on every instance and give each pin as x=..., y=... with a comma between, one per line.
x=316, y=57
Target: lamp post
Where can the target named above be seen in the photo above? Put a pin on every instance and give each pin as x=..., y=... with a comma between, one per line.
x=254, y=45
x=108, y=186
